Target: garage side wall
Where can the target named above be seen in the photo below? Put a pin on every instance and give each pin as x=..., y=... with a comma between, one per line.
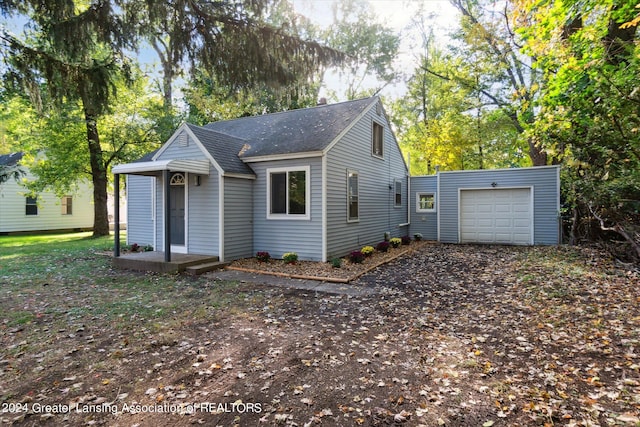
x=544, y=180
x=423, y=222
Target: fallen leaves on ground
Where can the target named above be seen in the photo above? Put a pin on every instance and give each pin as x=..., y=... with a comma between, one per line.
x=456, y=335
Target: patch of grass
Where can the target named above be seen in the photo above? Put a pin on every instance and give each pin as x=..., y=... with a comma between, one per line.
x=16, y=318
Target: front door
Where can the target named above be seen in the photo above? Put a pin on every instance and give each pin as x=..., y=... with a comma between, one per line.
x=177, y=209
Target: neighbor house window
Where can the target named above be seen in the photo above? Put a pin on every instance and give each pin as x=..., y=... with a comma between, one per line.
x=31, y=206
x=67, y=205
x=377, y=142
x=353, y=209
x=425, y=202
x=288, y=193
x=398, y=192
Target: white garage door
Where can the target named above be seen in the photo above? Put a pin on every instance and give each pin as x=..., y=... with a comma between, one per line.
x=496, y=216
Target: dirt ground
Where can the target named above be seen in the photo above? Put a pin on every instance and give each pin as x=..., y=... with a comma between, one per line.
x=454, y=335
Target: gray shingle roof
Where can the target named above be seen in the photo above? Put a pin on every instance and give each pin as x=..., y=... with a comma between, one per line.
x=11, y=159
x=294, y=131
x=223, y=148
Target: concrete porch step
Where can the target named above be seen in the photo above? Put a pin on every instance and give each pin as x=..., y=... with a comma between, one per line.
x=205, y=267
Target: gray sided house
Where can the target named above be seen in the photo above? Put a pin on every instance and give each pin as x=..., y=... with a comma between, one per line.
x=518, y=206
x=319, y=181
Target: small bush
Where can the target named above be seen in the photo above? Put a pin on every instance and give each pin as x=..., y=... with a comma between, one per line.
x=356, y=257
x=395, y=242
x=147, y=248
x=406, y=240
x=367, y=251
x=290, y=257
x=263, y=256
x=382, y=246
x=417, y=237
x=336, y=262
x=387, y=236
x=135, y=247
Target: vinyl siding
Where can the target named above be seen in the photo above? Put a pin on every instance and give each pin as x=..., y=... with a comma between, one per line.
x=376, y=177
x=425, y=223
x=140, y=215
x=202, y=204
x=13, y=216
x=545, y=183
x=278, y=236
x=182, y=147
x=203, y=214
x=238, y=218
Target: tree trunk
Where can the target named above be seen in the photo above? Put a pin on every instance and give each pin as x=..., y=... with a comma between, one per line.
x=537, y=155
x=98, y=175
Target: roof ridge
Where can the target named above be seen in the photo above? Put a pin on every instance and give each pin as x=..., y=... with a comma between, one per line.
x=217, y=132
x=315, y=107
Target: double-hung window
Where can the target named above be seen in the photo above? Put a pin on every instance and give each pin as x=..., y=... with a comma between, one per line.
x=288, y=193
x=425, y=202
x=398, y=193
x=377, y=140
x=31, y=206
x=353, y=195
x=67, y=205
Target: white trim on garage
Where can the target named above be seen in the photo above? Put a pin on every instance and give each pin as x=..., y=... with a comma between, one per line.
x=474, y=233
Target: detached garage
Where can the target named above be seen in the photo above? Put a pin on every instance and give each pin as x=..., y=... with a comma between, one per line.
x=506, y=206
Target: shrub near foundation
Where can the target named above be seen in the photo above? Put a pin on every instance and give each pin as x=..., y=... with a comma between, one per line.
x=367, y=251
x=395, y=242
x=382, y=246
x=356, y=257
x=290, y=257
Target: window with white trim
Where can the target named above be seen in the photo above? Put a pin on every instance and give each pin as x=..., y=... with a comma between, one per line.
x=377, y=140
x=67, y=205
x=425, y=202
x=398, y=193
x=353, y=196
x=31, y=206
x=288, y=193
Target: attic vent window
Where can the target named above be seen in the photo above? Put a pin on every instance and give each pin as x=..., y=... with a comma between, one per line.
x=183, y=140
x=378, y=109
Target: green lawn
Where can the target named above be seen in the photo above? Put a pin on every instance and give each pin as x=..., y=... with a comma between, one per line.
x=73, y=274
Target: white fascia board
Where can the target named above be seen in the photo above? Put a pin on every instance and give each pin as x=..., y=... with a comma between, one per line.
x=302, y=155
x=200, y=167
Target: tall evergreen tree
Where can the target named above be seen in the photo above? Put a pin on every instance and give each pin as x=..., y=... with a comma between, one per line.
x=79, y=49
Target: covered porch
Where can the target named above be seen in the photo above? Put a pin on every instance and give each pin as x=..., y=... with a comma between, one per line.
x=163, y=168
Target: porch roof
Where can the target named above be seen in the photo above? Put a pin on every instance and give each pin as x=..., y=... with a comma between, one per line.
x=197, y=166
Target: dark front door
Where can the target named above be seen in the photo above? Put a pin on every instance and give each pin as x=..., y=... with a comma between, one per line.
x=176, y=207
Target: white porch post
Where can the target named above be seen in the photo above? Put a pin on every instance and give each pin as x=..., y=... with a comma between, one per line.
x=166, y=175
x=116, y=215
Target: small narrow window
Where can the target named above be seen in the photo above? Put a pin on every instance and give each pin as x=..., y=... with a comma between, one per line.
x=67, y=205
x=377, y=142
x=31, y=206
x=398, y=193
x=353, y=208
x=425, y=202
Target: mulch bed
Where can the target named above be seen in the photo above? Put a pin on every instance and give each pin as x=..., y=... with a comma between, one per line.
x=347, y=272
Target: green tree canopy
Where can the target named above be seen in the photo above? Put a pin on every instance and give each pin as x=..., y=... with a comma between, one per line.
x=590, y=107
x=78, y=51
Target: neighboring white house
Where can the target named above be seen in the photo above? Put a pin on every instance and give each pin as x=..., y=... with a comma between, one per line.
x=46, y=211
